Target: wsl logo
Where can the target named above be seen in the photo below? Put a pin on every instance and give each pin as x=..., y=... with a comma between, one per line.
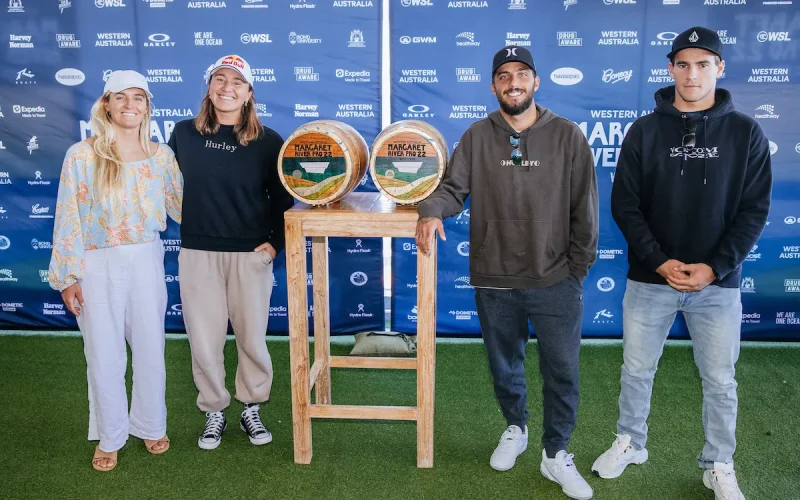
x=416, y=3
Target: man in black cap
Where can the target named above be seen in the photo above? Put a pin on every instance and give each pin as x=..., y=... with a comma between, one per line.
x=533, y=235
x=691, y=196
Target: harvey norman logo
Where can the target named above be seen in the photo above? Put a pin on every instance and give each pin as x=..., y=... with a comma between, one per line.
x=20, y=41
x=306, y=111
x=566, y=76
x=518, y=39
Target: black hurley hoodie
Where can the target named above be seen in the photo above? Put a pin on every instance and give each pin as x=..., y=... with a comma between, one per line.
x=707, y=204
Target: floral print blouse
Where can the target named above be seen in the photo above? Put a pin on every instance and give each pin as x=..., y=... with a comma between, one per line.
x=153, y=189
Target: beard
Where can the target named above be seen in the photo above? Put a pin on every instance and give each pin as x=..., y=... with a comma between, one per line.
x=516, y=109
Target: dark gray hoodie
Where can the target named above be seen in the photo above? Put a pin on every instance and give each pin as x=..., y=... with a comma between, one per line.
x=533, y=225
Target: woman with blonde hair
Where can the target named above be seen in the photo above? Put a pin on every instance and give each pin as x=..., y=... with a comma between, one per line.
x=232, y=230
x=114, y=195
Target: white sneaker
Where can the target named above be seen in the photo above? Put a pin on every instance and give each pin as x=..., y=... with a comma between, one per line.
x=612, y=463
x=722, y=480
x=562, y=471
x=512, y=443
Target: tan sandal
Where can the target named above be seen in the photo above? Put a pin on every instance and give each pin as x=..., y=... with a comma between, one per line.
x=99, y=456
x=151, y=444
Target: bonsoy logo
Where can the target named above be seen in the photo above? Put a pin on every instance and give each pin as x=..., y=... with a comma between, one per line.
x=463, y=249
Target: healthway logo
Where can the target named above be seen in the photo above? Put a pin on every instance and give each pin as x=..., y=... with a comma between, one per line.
x=768, y=112
x=466, y=39
x=566, y=76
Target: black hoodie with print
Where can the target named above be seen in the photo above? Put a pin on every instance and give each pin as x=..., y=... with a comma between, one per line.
x=703, y=204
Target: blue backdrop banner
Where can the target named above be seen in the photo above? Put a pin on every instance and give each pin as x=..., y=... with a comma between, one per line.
x=600, y=62
x=312, y=59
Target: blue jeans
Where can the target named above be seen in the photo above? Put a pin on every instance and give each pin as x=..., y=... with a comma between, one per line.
x=556, y=313
x=714, y=318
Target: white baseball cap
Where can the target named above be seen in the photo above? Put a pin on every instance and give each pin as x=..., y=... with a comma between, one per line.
x=126, y=79
x=233, y=62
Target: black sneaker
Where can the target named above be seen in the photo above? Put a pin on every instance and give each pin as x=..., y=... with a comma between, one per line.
x=251, y=424
x=212, y=433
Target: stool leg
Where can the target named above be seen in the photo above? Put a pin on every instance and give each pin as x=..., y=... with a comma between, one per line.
x=298, y=339
x=322, y=347
x=426, y=354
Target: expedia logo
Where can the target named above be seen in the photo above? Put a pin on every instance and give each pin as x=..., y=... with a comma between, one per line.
x=70, y=77
x=566, y=76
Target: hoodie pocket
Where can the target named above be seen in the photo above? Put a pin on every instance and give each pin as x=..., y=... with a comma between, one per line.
x=515, y=248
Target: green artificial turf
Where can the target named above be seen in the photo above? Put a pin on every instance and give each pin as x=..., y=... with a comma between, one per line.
x=44, y=414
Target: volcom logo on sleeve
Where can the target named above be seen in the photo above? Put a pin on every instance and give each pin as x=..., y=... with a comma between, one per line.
x=695, y=152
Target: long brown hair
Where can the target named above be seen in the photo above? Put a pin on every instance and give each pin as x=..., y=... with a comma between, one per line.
x=248, y=129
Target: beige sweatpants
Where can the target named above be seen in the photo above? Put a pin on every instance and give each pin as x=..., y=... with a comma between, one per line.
x=215, y=287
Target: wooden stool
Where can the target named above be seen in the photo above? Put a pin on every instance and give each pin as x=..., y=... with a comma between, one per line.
x=357, y=215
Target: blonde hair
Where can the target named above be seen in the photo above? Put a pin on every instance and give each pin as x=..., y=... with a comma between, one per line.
x=108, y=164
x=248, y=129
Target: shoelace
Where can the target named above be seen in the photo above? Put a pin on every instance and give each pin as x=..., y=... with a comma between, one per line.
x=252, y=421
x=618, y=448
x=727, y=482
x=507, y=440
x=214, y=424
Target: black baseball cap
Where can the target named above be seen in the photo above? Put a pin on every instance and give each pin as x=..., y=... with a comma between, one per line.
x=697, y=38
x=512, y=53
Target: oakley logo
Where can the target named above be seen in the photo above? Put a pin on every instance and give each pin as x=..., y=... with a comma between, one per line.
x=511, y=52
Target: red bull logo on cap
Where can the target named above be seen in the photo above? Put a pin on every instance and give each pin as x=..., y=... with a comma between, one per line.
x=235, y=61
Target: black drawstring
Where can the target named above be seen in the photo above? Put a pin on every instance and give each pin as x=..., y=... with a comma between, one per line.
x=705, y=156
